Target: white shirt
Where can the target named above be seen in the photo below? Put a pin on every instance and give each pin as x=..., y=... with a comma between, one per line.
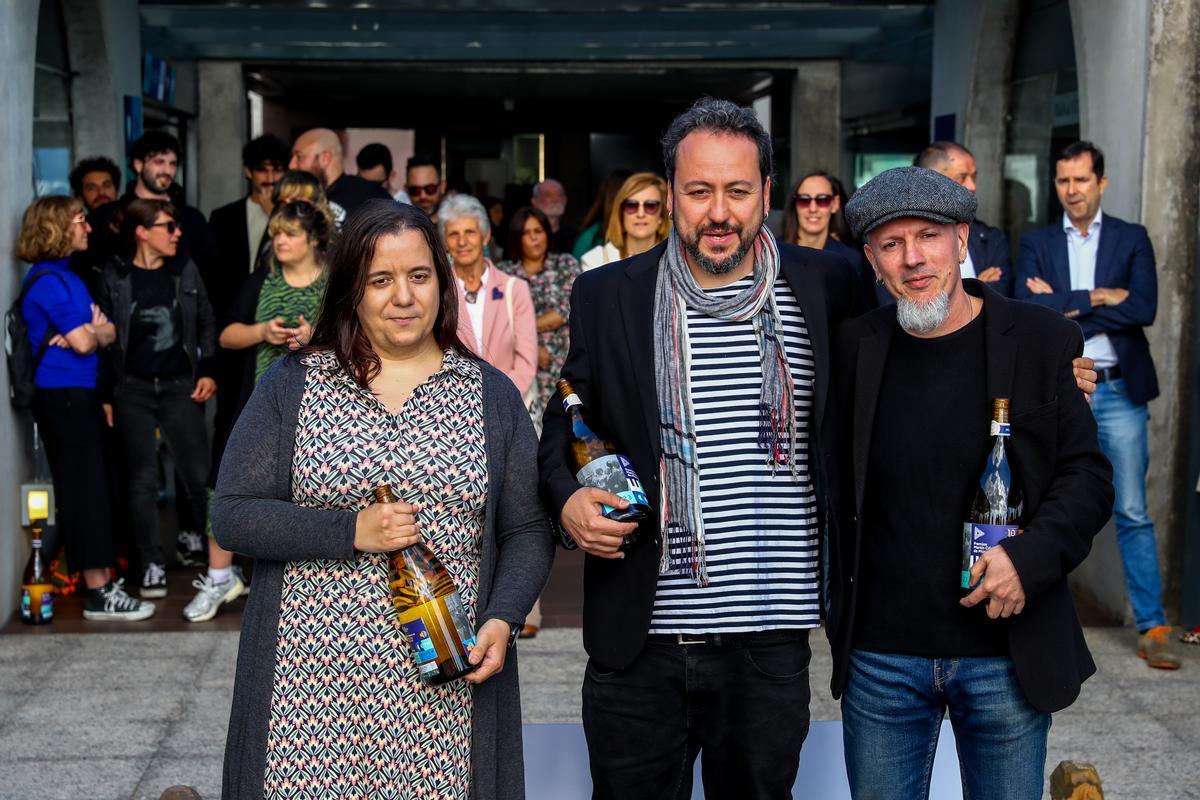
x=475, y=310
x=256, y=227
x=967, y=267
x=600, y=255
x=1081, y=255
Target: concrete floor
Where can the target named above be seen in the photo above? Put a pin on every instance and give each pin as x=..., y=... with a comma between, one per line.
x=97, y=716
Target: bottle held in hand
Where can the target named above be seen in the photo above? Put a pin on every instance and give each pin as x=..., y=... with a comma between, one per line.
x=430, y=609
x=597, y=463
x=995, y=513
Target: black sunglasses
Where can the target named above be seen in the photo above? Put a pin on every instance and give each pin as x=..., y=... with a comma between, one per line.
x=171, y=226
x=428, y=188
x=632, y=206
x=822, y=200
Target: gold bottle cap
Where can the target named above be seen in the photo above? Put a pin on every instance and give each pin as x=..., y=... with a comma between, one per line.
x=564, y=387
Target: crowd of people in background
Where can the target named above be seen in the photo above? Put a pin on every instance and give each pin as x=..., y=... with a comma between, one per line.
x=150, y=311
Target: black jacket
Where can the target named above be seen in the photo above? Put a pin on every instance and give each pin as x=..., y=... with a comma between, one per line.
x=232, y=239
x=199, y=326
x=1067, y=481
x=611, y=367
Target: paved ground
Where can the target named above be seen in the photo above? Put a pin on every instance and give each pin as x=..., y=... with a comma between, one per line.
x=99, y=716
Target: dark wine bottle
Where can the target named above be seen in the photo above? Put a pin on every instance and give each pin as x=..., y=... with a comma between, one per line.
x=597, y=463
x=996, y=509
x=430, y=609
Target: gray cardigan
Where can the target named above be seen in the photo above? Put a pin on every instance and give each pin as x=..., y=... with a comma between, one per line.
x=253, y=514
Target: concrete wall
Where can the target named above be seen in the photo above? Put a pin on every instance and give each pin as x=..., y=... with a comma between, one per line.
x=1111, y=41
x=221, y=133
x=972, y=68
x=104, y=47
x=1170, y=203
x=817, y=118
x=18, y=35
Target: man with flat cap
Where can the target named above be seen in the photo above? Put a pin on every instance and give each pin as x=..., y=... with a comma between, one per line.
x=916, y=383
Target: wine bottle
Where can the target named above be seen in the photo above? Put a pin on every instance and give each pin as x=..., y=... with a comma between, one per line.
x=430, y=609
x=597, y=463
x=995, y=513
x=37, y=592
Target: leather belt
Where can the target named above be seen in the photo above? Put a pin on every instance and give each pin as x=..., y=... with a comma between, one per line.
x=728, y=639
x=1108, y=374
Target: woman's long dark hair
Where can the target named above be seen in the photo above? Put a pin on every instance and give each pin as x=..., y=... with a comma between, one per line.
x=514, y=249
x=838, y=227
x=338, y=328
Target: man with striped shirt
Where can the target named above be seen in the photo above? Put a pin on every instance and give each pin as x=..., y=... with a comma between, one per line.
x=706, y=361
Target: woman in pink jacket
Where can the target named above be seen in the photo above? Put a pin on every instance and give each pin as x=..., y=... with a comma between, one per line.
x=496, y=317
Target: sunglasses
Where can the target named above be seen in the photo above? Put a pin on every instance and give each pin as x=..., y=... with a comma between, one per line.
x=171, y=226
x=651, y=207
x=822, y=200
x=414, y=191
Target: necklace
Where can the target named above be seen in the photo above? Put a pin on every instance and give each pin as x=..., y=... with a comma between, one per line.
x=470, y=296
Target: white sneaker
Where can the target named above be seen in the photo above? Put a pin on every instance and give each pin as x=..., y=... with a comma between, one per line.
x=211, y=596
x=154, y=580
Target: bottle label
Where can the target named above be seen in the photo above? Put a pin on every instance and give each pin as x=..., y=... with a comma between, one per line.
x=37, y=602
x=446, y=617
x=1001, y=429
x=571, y=400
x=977, y=540
x=615, y=474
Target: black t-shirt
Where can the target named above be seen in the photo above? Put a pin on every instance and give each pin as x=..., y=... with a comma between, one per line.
x=351, y=191
x=155, y=327
x=929, y=444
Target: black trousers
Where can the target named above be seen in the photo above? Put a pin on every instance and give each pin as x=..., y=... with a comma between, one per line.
x=69, y=423
x=165, y=403
x=742, y=702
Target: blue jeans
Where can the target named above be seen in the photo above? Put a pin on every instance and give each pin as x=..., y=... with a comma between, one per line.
x=1123, y=438
x=892, y=711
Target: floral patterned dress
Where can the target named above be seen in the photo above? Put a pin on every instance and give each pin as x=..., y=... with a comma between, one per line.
x=551, y=291
x=350, y=717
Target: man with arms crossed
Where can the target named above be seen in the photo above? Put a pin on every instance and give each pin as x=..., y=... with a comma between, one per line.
x=915, y=383
x=706, y=360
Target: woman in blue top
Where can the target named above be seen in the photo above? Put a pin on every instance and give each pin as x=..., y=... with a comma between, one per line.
x=65, y=329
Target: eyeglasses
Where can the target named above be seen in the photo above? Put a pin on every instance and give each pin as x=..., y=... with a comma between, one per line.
x=79, y=218
x=171, y=226
x=651, y=207
x=414, y=191
x=822, y=200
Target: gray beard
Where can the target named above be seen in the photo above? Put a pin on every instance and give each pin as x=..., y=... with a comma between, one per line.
x=713, y=266
x=922, y=317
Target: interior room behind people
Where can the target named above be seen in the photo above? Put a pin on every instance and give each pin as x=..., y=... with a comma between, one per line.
x=162, y=362
x=636, y=222
x=65, y=328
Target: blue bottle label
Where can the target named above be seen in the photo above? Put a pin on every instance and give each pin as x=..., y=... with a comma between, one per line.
x=977, y=540
x=614, y=474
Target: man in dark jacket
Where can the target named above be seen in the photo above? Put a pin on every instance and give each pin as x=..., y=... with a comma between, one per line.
x=916, y=382
x=1099, y=271
x=319, y=153
x=698, y=635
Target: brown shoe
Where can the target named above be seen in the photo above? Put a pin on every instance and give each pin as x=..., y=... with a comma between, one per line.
x=1156, y=647
x=528, y=632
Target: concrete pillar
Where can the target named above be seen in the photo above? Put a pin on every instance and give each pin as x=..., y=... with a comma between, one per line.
x=817, y=118
x=972, y=69
x=1170, y=204
x=18, y=38
x=1111, y=40
x=221, y=133
x=104, y=48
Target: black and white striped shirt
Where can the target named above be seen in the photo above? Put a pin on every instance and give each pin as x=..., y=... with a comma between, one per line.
x=760, y=529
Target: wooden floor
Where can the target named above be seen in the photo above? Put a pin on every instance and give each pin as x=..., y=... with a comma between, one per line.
x=561, y=605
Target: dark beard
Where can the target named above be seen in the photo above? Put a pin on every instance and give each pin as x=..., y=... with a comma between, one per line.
x=714, y=266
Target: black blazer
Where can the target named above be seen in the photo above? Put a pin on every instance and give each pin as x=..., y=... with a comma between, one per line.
x=1124, y=260
x=611, y=366
x=1066, y=480
x=228, y=225
x=988, y=247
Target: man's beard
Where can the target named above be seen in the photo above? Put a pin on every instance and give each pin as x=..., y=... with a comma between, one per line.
x=718, y=266
x=150, y=180
x=918, y=317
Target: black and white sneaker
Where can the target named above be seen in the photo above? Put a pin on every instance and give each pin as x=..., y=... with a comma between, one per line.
x=154, y=581
x=190, y=550
x=111, y=603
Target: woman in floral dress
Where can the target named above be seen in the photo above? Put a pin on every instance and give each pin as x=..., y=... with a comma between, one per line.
x=327, y=700
x=550, y=277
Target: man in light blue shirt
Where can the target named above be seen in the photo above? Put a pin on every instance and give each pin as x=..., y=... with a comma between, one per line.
x=1100, y=271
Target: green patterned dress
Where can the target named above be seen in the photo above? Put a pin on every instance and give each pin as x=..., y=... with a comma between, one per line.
x=278, y=299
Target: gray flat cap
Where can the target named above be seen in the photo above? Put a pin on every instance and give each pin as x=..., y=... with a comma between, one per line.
x=908, y=192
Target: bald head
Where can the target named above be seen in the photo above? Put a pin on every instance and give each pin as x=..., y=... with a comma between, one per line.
x=318, y=152
x=952, y=160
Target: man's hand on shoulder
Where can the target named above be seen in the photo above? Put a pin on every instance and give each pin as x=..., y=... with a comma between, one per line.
x=1085, y=375
x=583, y=519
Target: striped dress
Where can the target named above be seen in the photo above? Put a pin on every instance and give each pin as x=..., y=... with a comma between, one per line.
x=761, y=528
